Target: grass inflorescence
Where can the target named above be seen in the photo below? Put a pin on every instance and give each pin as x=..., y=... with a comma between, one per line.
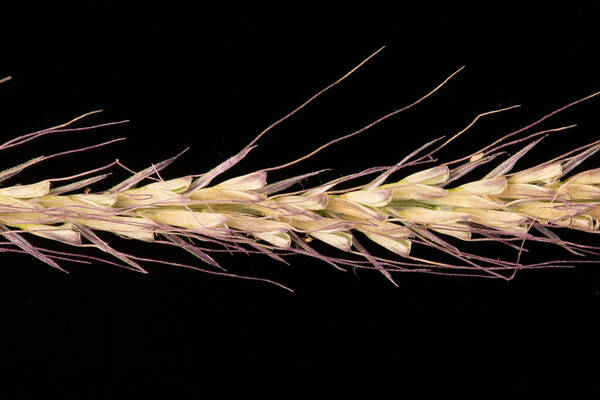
x=247, y=214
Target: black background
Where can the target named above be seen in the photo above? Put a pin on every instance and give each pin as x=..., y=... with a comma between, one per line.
x=212, y=79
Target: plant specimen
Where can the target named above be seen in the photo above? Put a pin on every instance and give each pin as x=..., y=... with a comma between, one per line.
x=205, y=215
